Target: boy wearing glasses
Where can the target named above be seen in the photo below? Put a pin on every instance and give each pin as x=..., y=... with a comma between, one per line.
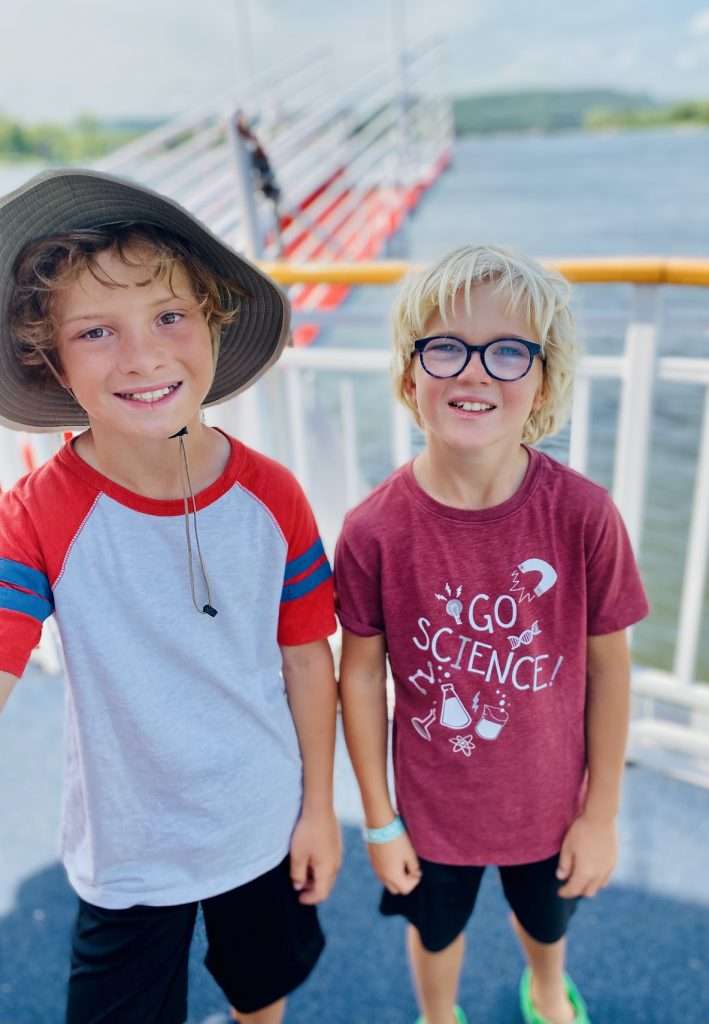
x=499, y=584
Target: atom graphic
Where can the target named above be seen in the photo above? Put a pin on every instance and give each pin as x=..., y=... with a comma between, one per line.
x=463, y=745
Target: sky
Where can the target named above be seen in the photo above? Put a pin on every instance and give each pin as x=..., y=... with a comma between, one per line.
x=114, y=58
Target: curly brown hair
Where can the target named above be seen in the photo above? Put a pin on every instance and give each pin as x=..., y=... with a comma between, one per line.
x=49, y=264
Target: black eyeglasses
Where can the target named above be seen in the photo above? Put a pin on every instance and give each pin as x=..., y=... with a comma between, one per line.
x=503, y=358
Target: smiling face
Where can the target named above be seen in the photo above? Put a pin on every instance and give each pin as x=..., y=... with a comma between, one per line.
x=473, y=411
x=137, y=354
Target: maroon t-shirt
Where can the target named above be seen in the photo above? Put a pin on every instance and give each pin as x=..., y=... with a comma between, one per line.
x=485, y=615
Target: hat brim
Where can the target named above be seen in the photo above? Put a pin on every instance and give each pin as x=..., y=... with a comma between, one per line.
x=66, y=200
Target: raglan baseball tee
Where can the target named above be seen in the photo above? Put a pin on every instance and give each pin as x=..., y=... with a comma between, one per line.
x=182, y=766
x=486, y=616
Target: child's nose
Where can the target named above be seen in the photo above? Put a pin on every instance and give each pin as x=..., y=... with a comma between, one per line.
x=140, y=351
x=475, y=370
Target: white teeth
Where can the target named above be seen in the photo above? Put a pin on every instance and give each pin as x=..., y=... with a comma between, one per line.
x=149, y=396
x=473, y=406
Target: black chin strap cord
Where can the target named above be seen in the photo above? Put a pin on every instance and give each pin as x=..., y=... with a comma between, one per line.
x=208, y=608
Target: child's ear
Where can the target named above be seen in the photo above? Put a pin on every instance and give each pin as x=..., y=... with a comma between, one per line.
x=409, y=384
x=541, y=395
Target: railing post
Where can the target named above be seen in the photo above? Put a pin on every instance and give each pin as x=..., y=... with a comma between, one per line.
x=580, y=412
x=400, y=100
x=401, y=435
x=251, y=240
x=349, y=443
x=634, y=419
x=297, y=424
x=695, y=567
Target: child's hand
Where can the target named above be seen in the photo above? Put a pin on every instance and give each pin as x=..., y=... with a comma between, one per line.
x=587, y=858
x=396, y=864
x=315, y=856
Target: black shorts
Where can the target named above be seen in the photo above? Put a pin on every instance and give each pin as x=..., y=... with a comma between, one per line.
x=441, y=904
x=130, y=966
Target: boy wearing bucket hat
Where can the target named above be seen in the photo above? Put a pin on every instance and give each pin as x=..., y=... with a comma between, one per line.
x=192, y=594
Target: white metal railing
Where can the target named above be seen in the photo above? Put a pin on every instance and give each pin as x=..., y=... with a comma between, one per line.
x=637, y=369
x=277, y=417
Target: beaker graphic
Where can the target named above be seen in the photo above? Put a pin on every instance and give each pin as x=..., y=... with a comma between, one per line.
x=491, y=722
x=453, y=713
x=423, y=725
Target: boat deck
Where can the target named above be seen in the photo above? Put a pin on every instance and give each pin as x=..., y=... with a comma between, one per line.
x=639, y=951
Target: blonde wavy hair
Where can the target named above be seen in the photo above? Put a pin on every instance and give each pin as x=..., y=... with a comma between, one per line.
x=538, y=294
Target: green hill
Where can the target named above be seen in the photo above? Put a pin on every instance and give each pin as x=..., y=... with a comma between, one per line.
x=543, y=110
x=84, y=139
x=687, y=113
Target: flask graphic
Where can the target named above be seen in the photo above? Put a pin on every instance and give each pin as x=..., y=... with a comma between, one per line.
x=453, y=713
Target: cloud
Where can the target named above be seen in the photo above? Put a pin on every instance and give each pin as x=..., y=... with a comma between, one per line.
x=699, y=24
x=155, y=57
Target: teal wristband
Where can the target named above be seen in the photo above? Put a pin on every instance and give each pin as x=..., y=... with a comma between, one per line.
x=385, y=834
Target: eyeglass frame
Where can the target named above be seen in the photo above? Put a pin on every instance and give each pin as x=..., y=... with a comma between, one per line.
x=533, y=348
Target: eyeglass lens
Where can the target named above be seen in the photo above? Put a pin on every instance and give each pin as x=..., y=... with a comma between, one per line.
x=507, y=359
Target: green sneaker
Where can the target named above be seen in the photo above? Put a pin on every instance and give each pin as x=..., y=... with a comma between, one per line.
x=460, y=1017
x=530, y=1015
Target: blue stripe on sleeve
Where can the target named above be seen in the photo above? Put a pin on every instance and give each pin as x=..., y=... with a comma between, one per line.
x=302, y=562
x=18, y=601
x=19, y=575
x=291, y=591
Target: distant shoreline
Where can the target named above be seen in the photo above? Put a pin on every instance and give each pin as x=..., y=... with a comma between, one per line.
x=680, y=128
x=550, y=111
x=525, y=112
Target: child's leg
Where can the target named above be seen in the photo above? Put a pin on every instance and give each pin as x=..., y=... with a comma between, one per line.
x=130, y=965
x=540, y=918
x=436, y=976
x=437, y=911
x=272, y=1014
x=546, y=961
x=262, y=944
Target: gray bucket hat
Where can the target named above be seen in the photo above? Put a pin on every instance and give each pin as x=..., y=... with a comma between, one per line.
x=66, y=200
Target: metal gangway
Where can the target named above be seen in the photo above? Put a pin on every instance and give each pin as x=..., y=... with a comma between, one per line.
x=334, y=132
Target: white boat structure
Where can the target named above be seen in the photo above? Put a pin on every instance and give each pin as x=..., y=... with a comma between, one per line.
x=352, y=155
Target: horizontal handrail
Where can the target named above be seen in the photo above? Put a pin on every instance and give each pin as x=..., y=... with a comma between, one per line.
x=595, y=270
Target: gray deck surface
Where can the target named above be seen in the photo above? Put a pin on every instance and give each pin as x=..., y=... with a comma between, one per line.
x=639, y=951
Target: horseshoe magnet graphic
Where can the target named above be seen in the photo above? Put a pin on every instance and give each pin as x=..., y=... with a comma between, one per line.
x=549, y=575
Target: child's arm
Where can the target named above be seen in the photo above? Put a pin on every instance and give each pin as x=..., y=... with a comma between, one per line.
x=589, y=850
x=7, y=682
x=364, y=713
x=312, y=694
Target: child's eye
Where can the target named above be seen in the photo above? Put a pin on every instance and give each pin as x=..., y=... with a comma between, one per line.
x=95, y=333
x=445, y=348
x=170, y=317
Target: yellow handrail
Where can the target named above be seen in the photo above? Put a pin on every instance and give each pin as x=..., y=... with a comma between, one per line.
x=594, y=270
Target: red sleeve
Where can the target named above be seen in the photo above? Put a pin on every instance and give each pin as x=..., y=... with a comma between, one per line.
x=25, y=595
x=357, y=580
x=307, y=600
x=307, y=611
x=616, y=597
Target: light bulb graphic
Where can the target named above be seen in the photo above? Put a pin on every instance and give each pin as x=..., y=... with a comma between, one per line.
x=454, y=608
